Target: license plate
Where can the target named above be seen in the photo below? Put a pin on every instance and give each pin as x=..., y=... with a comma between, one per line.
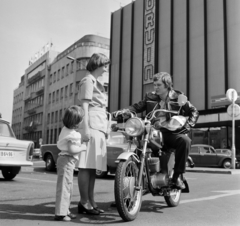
x=8, y=154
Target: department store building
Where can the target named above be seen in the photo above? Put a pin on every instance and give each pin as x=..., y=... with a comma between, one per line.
x=196, y=41
x=50, y=85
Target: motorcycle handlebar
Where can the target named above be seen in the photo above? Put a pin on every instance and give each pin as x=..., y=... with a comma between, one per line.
x=125, y=113
x=161, y=110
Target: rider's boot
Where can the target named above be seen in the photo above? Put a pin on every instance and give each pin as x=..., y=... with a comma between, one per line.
x=176, y=181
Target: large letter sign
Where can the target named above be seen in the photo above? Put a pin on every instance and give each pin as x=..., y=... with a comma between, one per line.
x=149, y=41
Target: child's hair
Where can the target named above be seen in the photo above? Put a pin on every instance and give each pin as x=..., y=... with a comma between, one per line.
x=73, y=116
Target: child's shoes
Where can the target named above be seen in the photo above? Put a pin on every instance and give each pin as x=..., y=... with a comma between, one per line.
x=62, y=218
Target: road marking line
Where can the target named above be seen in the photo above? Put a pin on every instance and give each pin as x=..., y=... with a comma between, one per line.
x=227, y=193
x=38, y=180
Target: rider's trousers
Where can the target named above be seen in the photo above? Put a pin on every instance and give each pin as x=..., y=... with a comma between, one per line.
x=182, y=144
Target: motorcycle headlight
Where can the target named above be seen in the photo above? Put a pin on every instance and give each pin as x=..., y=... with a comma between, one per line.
x=134, y=127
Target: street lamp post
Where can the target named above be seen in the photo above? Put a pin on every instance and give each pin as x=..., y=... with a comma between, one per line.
x=233, y=110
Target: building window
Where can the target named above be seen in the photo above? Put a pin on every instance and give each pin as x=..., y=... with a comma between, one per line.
x=58, y=74
x=48, y=118
x=49, y=98
x=54, y=77
x=71, y=89
x=52, y=119
x=66, y=91
x=53, y=97
x=72, y=67
x=50, y=80
x=62, y=72
x=77, y=86
x=56, y=116
x=67, y=69
x=57, y=95
x=61, y=93
x=60, y=115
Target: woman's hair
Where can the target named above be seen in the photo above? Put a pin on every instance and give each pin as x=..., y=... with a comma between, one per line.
x=73, y=116
x=97, y=60
x=165, y=78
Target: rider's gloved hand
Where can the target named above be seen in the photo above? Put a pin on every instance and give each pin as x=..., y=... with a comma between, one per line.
x=157, y=125
x=121, y=115
x=114, y=127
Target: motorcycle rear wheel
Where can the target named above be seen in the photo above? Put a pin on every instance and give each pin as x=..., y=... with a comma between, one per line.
x=174, y=198
x=128, y=199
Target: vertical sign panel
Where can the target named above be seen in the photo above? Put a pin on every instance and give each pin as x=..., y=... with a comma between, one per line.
x=149, y=41
x=137, y=61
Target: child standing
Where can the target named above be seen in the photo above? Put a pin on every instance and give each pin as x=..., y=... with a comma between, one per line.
x=69, y=143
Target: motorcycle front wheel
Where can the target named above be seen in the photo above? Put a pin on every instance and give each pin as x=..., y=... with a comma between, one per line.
x=128, y=199
x=174, y=198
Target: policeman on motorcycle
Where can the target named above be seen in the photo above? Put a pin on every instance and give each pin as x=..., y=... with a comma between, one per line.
x=165, y=97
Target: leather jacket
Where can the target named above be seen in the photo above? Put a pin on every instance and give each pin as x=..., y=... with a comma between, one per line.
x=152, y=101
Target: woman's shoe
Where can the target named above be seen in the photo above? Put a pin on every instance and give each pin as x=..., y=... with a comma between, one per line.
x=82, y=209
x=62, y=218
x=99, y=210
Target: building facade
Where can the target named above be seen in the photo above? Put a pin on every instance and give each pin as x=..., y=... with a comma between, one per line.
x=49, y=86
x=196, y=41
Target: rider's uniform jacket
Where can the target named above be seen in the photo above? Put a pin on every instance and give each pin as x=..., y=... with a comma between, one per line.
x=152, y=101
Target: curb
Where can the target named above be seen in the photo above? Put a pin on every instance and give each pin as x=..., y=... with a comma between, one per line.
x=214, y=171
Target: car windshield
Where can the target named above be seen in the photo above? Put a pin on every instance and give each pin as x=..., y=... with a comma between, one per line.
x=5, y=130
x=116, y=138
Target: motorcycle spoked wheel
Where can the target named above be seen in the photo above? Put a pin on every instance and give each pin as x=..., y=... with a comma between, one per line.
x=174, y=198
x=128, y=199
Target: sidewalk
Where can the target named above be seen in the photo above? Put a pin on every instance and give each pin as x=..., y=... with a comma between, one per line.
x=213, y=170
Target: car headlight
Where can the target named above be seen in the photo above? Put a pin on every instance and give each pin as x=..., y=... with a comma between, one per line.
x=134, y=127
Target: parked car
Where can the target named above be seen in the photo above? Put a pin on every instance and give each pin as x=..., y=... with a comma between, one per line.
x=37, y=153
x=14, y=153
x=206, y=155
x=116, y=144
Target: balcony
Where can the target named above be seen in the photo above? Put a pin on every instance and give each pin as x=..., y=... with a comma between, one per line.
x=27, y=97
x=31, y=111
x=40, y=90
x=32, y=126
x=35, y=77
x=32, y=108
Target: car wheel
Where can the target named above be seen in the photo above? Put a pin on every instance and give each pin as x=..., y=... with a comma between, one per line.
x=227, y=164
x=101, y=174
x=49, y=163
x=10, y=172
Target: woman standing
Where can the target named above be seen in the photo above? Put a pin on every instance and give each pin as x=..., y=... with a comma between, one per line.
x=93, y=131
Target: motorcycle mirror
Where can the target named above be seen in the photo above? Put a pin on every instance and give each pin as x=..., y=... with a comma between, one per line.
x=182, y=99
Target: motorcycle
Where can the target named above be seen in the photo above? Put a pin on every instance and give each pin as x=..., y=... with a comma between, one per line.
x=142, y=171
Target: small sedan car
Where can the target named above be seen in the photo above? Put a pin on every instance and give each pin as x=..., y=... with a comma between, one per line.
x=206, y=155
x=14, y=153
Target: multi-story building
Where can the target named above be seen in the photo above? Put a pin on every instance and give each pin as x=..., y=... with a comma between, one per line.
x=49, y=86
x=35, y=97
x=65, y=74
x=18, y=106
x=196, y=42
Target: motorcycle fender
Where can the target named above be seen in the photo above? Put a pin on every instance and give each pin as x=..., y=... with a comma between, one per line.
x=186, y=189
x=125, y=156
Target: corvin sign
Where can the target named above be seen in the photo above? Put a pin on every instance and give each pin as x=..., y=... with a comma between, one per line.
x=149, y=40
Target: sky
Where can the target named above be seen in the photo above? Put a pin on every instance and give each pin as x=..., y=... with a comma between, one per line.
x=28, y=25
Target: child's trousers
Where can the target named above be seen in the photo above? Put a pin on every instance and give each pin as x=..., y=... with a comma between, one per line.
x=65, y=167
